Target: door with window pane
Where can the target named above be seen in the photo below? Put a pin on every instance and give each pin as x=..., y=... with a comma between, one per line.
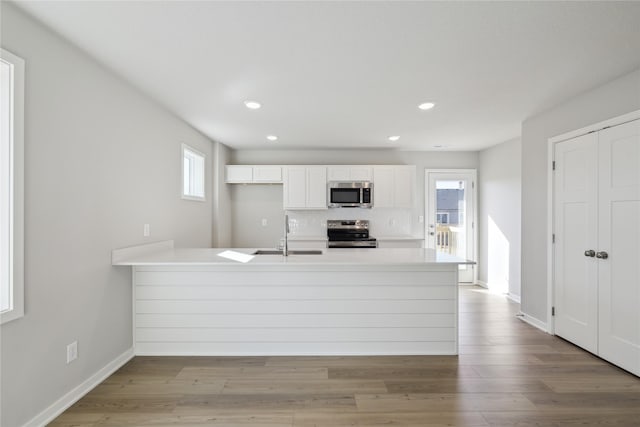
x=450, y=215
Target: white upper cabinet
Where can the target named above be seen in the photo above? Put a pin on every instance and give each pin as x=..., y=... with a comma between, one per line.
x=244, y=174
x=239, y=173
x=305, y=187
x=394, y=186
x=350, y=173
x=267, y=174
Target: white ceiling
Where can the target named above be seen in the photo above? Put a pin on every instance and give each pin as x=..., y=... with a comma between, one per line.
x=350, y=74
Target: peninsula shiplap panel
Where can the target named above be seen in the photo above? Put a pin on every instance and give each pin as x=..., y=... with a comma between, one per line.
x=294, y=306
x=278, y=335
x=377, y=320
x=297, y=349
x=334, y=311
x=280, y=278
x=303, y=292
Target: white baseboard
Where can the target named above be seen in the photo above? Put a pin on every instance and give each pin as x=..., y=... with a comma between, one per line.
x=514, y=298
x=58, y=407
x=483, y=284
x=533, y=322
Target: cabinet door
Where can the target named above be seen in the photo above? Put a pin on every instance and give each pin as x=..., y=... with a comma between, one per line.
x=383, y=186
x=576, y=275
x=403, y=188
x=316, y=187
x=339, y=173
x=239, y=173
x=360, y=173
x=295, y=188
x=619, y=237
x=267, y=174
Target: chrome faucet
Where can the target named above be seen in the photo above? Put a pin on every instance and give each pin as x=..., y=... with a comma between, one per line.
x=285, y=247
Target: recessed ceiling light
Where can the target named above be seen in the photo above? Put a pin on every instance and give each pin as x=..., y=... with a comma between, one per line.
x=252, y=105
x=394, y=138
x=426, y=105
x=438, y=146
x=272, y=137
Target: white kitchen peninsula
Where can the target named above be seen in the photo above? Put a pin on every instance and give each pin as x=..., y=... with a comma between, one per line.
x=343, y=302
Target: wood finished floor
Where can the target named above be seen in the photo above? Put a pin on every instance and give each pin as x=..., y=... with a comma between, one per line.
x=507, y=374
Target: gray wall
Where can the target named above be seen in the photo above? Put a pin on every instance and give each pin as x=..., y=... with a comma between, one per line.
x=221, y=199
x=499, y=194
x=101, y=160
x=271, y=202
x=613, y=99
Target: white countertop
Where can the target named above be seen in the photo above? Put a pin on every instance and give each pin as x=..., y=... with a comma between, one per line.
x=210, y=256
x=324, y=238
x=400, y=237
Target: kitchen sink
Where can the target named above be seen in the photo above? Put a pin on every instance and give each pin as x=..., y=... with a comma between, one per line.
x=291, y=252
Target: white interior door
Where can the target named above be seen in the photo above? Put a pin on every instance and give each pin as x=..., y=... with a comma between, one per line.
x=619, y=238
x=575, y=225
x=450, y=212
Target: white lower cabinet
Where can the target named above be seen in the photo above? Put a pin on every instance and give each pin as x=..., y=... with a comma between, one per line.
x=305, y=187
x=597, y=249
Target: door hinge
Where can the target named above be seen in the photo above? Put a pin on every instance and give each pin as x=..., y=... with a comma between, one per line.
x=553, y=311
x=553, y=238
x=473, y=185
x=553, y=165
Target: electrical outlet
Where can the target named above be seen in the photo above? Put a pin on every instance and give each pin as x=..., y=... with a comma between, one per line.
x=264, y=222
x=72, y=351
x=147, y=230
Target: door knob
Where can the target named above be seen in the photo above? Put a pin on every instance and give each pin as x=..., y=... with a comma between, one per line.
x=431, y=233
x=602, y=255
x=590, y=253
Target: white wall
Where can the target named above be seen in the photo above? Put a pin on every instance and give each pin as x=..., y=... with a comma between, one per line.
x=251, y=228
x=101, y=160
x=613, y=99
x=499, y=187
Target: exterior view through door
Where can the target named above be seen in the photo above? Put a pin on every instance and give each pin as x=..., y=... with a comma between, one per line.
x=451, y=215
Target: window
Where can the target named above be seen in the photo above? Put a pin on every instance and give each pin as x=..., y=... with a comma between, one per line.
x=193, y=174
x=11, y=186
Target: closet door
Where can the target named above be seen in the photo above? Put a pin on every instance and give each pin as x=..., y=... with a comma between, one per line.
x=619, y=237
x=575, y=270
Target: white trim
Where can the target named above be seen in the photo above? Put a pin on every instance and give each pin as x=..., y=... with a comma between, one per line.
x=533, y=321
x=551, y=142
x=482, y=283
x=474, y=195
x=550, y=231
x=204, y=174
x=513, y=297
x=16, y=215
x=59, y=406
x=614, y=121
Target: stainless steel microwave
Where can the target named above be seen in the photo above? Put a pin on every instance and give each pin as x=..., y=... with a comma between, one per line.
x=350, y=194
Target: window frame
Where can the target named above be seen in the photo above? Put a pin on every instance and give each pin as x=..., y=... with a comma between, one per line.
x=192, y=197
x=16, y=190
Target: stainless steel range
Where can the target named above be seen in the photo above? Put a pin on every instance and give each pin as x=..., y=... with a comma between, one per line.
x=349, y=234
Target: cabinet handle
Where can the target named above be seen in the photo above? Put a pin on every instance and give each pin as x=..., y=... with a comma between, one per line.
x=590, y=253
x=602, y=255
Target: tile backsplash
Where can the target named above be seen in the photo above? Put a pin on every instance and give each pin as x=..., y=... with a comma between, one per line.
x=382, y=222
